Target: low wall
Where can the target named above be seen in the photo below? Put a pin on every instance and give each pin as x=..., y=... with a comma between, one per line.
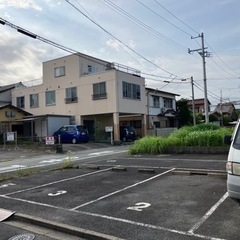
x=197, y=150
x=163, y=132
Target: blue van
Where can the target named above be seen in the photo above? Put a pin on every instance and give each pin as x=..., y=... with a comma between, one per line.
x=72, y=134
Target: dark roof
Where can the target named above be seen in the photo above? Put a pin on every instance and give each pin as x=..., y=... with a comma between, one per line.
x=159, y=91
x=198, y=101
x=224, y=107
x=8, y=105
x=9, y=87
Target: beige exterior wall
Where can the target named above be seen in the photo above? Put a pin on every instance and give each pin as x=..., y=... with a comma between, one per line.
x=77, y=75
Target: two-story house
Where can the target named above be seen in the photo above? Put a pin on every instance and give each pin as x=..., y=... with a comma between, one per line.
x=93, y=92
x=161, y=109
x=198, y=105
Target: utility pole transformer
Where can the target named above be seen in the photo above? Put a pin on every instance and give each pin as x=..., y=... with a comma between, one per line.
x=203, y=54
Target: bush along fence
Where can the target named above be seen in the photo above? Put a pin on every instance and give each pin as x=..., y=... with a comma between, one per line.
x=202, y=138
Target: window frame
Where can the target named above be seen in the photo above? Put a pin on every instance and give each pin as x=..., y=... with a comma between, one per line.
x=53, y=98
x=71, y=95
x=20, y=102
x=167, y=102
x=155, y=101
x=131, y=91
x=99, y=91
x=59, y=71
x=34, y=103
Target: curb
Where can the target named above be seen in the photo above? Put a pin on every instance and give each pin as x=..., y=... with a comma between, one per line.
x=209, y=173
x=64, y=228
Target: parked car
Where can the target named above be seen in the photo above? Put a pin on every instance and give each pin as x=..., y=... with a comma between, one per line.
x=72, y=134
x=127, y=133
x=233, y=164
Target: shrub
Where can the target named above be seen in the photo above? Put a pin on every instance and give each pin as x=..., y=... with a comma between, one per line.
x=202, y=135
x=152, y=145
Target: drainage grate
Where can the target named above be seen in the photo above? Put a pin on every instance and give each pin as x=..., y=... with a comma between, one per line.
x=23, y=237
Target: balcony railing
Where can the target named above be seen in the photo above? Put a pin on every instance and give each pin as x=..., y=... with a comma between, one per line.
x=71, y=100
x=99, y=96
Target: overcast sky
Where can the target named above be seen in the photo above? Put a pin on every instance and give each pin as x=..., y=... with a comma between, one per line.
x=152, y=36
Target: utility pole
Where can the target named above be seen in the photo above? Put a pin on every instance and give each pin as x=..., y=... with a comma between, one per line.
x=203, y=54
x=193, y=103
x=221, y=108
x=193, y=100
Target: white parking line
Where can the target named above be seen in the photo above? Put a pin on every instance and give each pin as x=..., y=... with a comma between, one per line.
x=138, y=224
x=123, y=189
x=208, y=214
x=149, y=226
x=59, y=181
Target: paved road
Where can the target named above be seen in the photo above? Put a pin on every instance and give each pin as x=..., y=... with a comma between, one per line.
x=131, y=197
x=12, y=160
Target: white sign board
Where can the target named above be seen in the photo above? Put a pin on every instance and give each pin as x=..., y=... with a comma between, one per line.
x=49, y=140
x=10, y=136
x=108, y=129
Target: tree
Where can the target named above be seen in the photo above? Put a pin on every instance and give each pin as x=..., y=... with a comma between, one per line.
x=184, y=114
x=213, y=118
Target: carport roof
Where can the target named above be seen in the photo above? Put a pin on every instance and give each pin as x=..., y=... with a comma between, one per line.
x=32, y=118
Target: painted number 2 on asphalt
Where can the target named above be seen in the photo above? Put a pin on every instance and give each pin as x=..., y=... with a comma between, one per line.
x=139, y=206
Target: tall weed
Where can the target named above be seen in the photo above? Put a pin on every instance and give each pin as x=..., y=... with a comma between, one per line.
x=201, y=135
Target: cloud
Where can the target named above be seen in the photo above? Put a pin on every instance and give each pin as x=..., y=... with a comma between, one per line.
x=21, y=58
x=117, y=46
x=113, y=44
x=25, y=4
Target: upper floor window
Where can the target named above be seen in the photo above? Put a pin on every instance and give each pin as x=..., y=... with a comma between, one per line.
x=59, y=71
x=71, y=95
x=99, y=91
x=92, y=69
x=156, y=102
x=20, y=102
x=34, y=100
x=168, y=103
x=50, y=98
x=10, y=113
x=131, y=90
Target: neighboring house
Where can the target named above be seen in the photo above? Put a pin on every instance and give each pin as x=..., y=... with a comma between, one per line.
x=5, y=93
x=9, y=116
x=198, y=105
x=161, y=109
x=93, y=92
x=224, y=109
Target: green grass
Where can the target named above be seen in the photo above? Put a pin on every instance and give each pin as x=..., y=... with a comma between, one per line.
x=201, y=135
x=68, y=161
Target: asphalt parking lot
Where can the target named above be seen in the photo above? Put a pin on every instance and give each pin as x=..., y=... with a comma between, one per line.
x=131, y=197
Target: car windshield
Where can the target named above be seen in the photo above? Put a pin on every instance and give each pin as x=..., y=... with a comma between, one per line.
x=130, y=128
x=80, y=128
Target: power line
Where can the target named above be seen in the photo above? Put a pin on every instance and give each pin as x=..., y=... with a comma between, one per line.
x=163, y=18
x=197, y=33
x=142, y=24
x=175, y=16
x=138, y=54
x=222, y=62
x=35, y=36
